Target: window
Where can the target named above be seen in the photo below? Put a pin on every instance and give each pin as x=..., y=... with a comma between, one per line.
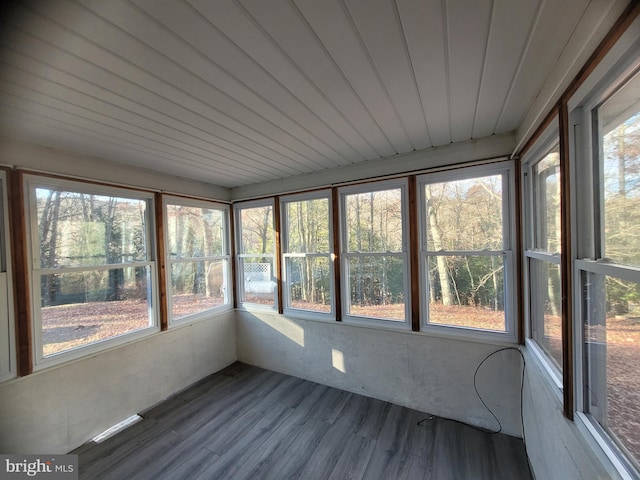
x=466, y=252
x=307, y=243
x=609, y=284
x=375, y=267
x=197, y=251
x=93, y=275
x=7, y=343
x=543, y=189
x=255, y=237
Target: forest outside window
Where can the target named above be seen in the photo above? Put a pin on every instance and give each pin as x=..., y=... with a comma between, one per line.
x=543, y=254
x=7, y=344
x=93, y=275
x=466, y=253
x=609, y=284
x=307, y=244
x=255, y=239
x=197, y=247
x=374, y=231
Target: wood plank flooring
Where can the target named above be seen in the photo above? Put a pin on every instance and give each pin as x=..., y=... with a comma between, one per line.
x=248, y=423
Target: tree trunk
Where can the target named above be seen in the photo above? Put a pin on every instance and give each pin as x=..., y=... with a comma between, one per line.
x=445, y=288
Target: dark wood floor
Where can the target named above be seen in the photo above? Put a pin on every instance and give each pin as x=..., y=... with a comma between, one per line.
x=249, y=423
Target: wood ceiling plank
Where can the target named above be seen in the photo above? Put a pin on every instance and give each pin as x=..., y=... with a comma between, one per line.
x=555, y=26
x=336, y=32
x=122, y=53
x=467, y=28
x=279, y=93
x=72, y=137
x=35, y=107
x=422, y=21
x=511, y=24
x=80, y=92
x=379, y=27
x=286, y=25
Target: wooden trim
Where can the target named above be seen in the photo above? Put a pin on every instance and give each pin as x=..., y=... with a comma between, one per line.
x=414, y=255
x=519, y=253
x=161, y=262
x=539, y=131
x=232, y=257
x=608, y=42
x=566, y=264
x=337, y=283
x=21, y=279
x=278, y=252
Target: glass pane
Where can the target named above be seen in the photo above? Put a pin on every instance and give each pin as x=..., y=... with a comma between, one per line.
x=79, y=229
x=195, y=232
x=612, y=355
x=464, y=214
x=308, y=226
x=546, y=308
x=309, y=281
x=376, y=286
x=81, y=308
x=374, y=221
x=547, y=234
x=467, y=291
x=256, y=225
x=259, y=280
x=620, y=130
x=197, y=286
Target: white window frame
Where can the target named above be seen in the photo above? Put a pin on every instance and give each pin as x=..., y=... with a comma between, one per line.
x=8, y=360
x=505, y=169
x=225, y=257
x=286, y=256
x=611, y=73
x=32, y=182
x=345, y=254
x=237, y=217
x=546, y=144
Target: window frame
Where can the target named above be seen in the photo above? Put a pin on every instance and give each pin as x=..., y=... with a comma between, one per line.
x=32, y=182
x=288, y=310
x=548, y=143
x=237, y=218
x=169, y=262
x=506, y=169
x=401, y=184
x=589, y=234
x=8, y=362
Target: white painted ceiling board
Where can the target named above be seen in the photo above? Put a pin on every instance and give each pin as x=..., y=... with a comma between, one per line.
x=508, y=37
x=335, y=29
x=217, y=122
x=239, y=92
x=180, y=65
x=283, y=21
x=379, y=27
x=467, y=29
x=557, y=22
x=598, y=18
x=422, y=22
x=282, y=110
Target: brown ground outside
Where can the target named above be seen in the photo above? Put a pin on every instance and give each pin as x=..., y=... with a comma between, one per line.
x=69, y=326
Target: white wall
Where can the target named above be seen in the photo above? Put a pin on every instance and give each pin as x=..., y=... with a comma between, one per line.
x=556, y=447
x=427, y=373
x=59, y=409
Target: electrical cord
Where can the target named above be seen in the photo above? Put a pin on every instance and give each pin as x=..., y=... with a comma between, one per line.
x=475, y=387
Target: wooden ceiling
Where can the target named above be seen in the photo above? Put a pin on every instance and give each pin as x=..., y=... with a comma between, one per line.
x=236, y=92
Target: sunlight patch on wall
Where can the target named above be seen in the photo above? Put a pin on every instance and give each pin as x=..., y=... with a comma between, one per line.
x=286, y=327
x=337, y=358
